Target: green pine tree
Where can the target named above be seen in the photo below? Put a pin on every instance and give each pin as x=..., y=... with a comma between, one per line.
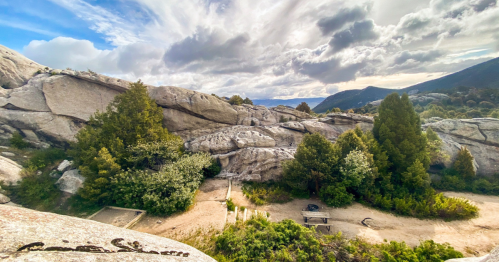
x=398, y=130
x=315, y=160
x=464, y=164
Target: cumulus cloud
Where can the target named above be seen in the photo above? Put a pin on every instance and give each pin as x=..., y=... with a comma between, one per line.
x=345, y=15
x=206, y=45
x=360, y=31
x=137, y=59
x=282, y=48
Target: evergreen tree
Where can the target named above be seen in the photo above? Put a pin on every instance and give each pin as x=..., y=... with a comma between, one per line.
x=398, y=130
x=304, y=108
x=102, y=146
x=315, y=160
x=464, y=164
x=236, y=100
x=247, y=101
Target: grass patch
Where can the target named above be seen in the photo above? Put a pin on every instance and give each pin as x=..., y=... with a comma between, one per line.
x=264, y=193
x=230, y=205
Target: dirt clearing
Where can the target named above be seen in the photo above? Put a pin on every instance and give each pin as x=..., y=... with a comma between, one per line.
x=208, y=211
x=472, y=237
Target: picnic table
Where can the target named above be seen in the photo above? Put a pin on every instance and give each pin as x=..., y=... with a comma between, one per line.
x=309, y=215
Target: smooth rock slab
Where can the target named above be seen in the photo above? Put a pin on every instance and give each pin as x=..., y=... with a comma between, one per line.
x=21, y=226
x=64, y=165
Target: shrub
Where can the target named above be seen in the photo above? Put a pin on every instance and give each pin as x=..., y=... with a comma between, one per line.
x=230, y=205
x=336, y=195
x=36, y=191
x=282, y=119
x=471, y=103
x=17, y=141
x=44, y=158
x=355, y=169
x=474, y=114
x=247, y=101
x=260, y=240
x=212, y=170
x=236, y=100
x=165, y=192
x=486, y=104
x=264, y=193
x=303, y=107
x=464, y=164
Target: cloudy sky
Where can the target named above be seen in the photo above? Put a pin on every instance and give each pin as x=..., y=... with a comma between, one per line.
x=256, y=48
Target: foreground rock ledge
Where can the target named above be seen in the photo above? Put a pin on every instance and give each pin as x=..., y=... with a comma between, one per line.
x=20, y=227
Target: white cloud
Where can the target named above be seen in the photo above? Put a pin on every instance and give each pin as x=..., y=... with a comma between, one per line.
x=283, y=48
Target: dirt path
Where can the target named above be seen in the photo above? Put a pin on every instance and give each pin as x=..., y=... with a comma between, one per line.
x=208, y=211
x=472, y=237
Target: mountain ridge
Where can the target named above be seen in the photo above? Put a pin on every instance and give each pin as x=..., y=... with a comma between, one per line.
x=483, y=75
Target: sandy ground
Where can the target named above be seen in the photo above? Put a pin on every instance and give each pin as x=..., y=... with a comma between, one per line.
x=208, y=211
x=472, y=237
x=115, y=217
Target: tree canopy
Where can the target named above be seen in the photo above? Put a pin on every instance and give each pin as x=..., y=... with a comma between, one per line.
x=304, y=108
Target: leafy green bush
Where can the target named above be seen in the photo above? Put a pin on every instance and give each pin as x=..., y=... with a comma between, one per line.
x=44, y=158
x=452, y=181
x=18, y=142
x=261, y=240
x=336, y=195
x=165, y=192
x=36, y=192
x=236, y=100
x=264, y=193
x=230, y=205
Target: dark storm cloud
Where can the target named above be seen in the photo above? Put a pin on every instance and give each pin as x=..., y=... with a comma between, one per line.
x=481, y=5
x=205, y=45
x=328, y=72
x=358, y=32
x=344, y=16
x=419, y=56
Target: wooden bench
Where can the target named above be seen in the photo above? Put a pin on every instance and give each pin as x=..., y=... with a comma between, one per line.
x=309, y=215
x=328, y=226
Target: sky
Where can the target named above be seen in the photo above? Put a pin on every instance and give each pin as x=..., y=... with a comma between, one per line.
x=256, y=48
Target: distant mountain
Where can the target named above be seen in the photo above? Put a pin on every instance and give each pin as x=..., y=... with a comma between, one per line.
x=312, y=102
x=484, y=75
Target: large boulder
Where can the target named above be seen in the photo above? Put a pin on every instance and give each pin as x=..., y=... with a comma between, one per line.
x=254, y=164
x=250, y=115
x=179, y=122
x=15, y=69
x=68, y=96
x=230, y=139
x=479, y=135
x=10, y=171
x=52, y=127
x=28, y=97
x=70, y=181
x=4, y=199
x=194, y=103
x=116, y=84
x=29, y=235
